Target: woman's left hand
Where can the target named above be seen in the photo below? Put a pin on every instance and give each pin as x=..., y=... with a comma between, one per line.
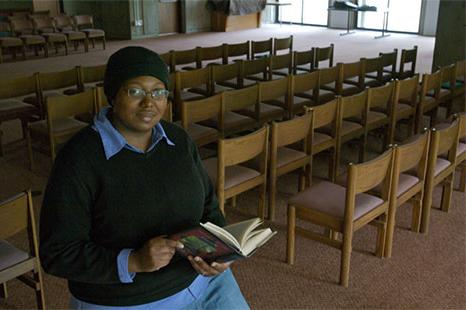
x=206, y=269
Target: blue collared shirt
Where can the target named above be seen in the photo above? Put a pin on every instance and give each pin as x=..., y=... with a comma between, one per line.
x=113, y=142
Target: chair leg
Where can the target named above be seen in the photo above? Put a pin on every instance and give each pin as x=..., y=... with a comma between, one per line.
x=233, y=202
x=345, y=257
x=426, y=206
x=462, y=176
x=1, y=145
x=381, y=236
x=333, y=164
x=40, y=298
x=66, y=48
x=29, y=143
x=262, y=200
x=86, y=45
x=447, y=192
x=390, y=229
x=3, y=290
x=416, y=215
x=291, y=236
x=272, y=194
x=433, y=117
x=103, y=42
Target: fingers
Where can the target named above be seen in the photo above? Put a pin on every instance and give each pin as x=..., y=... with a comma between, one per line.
x=205, y=269
x=155, y=254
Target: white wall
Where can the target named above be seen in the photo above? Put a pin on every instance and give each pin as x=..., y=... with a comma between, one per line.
x=429, y=17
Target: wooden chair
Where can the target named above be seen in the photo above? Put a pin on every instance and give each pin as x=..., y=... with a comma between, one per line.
x=225, y=77
x=352, y=119
x=167, y=58
x=304, y=92
x=195, y=111
x=303, y=61
x=325, y=116
x=238, y=51
x=447, y=90
x=16, y=216
x=329, y=83
x=13, y=108
x=64, y=24
x=186, y=58
x=285, y=159
x=408, y=58
x=191, y=85
x=323, y=54
x=10, y=43
x=389, y=60
x=54, y=84
x=24, y=29
x=273, y=100
x=352, y=78
x=343, y=210
x=283, y=44
x=85, y=23
x=261, y=48
x=91, y=76
x=440, y=169
x=429, y=99
x=60, y=124
x=404, y=105
x=409, y=175
x=46, y=28
x=379, y=105
x=461, y=151
x=280, y=66
x=460, y=74
x=230, y=176
x=253, y=71
x=373, y=71
x=211, y=55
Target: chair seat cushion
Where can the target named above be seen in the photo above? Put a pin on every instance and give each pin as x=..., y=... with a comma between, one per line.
x=32, y=39
x=373, y=117
x=325, y=96
x=267, y=111
x=320, y=138
x=94, y=33
x=198, y=132
x=286, y=155
x=65, y=125
x=405, y=182
x=187, y=95
x=461, y=149
x=234, y=175
x=329, y=198
x=10, y=42
x=74, y=35
x=440, y=165
x=10, y=108
x=55, y=37
x=10, y=255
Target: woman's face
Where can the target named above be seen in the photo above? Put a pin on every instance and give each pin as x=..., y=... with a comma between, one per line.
x=134, y=113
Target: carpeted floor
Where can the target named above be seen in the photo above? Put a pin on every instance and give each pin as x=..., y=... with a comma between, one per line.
x=425, y=271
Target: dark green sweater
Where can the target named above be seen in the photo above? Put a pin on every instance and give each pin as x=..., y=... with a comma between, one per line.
x=94, y=207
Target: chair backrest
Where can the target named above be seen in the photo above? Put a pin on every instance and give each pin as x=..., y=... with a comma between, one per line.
x=444, y=140
x=238, y=99
x=283, y=44
x=261, y=48
x=92, y=74
x=381, y=97
x=255, y=66
x=63, y=22
x=365, y=176
x=101, y=100
x=430, y=84
x=43, y=24
x=275, y=89
x=407, y=90
x=16, y=215
x=408, y=57
x=323, y=54
x=239, y=49
x=353, y=69
x=21, y=26
x=284, y=61
x=330, y=75
x=83, y=21
x=303, y=58
x=167, y=58
x=389, y=60
x=184, y=57
x=203, y=109
x=448, y=75
x=192, y=78
x=372, y=65
x=325, y=114
x=20, y=86
x=239, y=150
x=462, y=124
x=211, y=53
x=305, y=82
x=59, y=79
x=292, y=131
x=412, y=154
x=354, y=106
x=225, y=72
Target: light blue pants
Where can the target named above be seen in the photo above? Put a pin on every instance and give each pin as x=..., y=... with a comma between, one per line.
x=222, y=292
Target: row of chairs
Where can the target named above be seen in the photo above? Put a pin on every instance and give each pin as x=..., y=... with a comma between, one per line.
x=40, y=31
x=371, y=192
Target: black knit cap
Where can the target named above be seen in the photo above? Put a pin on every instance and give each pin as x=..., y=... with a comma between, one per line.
x=131, y=62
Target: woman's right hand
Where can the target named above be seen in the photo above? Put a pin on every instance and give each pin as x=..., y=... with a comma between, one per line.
x=153, y=255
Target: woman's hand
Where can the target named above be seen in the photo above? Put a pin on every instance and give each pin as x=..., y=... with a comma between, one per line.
x=208, y=270
x=153, y=255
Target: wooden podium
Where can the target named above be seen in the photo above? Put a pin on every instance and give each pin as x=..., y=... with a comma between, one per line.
x=225, y=23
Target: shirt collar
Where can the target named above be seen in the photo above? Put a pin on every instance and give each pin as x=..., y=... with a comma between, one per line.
x=113, y=141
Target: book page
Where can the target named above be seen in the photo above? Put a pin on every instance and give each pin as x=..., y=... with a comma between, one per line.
x=256, y=240
x=242, y=230
x=222, y=234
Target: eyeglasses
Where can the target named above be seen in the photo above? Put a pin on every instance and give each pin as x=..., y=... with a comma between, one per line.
x=139, y=93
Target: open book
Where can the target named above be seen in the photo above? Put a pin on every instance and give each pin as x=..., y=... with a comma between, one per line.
x=221, y=244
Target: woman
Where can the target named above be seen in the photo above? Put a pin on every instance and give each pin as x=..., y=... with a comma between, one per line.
x=118, y=188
